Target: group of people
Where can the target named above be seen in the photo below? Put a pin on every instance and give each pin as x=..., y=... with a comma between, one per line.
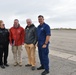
x=30, y=37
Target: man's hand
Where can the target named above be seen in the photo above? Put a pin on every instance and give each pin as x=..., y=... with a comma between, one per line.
x=44, y=46
x=22, y=43
x=11, y=44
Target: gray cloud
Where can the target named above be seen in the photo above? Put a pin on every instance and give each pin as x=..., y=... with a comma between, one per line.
x=58, y=13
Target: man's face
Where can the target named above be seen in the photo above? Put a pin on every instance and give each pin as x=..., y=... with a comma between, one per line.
x=16, y=22
x=41, y=20
x=28, y=22
x=2, y=25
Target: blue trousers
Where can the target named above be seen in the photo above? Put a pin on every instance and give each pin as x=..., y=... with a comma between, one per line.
x=43, y=56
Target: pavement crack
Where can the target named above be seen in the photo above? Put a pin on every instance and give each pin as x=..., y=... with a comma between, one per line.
x=70, y=57
x=72, y=73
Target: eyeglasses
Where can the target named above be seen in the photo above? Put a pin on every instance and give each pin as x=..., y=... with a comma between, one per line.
x=3, y=24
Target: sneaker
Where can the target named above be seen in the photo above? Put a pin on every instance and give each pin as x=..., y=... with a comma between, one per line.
x=40, y=68
x=28, y=65
x=45, y=72
x=33, y=67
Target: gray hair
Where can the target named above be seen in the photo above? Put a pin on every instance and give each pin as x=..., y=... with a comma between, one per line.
x=29, y=20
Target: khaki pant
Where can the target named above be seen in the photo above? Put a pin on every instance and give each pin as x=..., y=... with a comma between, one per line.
x=30, y=48
x=17, y=50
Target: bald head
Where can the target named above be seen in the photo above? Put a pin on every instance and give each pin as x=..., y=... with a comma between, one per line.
x=29, y=22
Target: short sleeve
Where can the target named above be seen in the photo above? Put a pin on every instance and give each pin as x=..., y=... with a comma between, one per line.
x=47, y=30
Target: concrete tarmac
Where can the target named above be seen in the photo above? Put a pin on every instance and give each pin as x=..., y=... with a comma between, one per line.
x=62, y=56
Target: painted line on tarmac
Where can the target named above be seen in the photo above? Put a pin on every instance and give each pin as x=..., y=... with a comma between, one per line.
x=63, y=55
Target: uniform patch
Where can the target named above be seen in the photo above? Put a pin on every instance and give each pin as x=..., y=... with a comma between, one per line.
x=42, y=28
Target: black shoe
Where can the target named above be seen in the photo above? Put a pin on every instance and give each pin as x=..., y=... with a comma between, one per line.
x=2, y=66
x=33, y=67
x=40, y=68
x=28, y=65
x=45, y=72
x=6, y=65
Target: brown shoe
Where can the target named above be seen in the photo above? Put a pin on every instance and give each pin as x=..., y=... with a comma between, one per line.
x=20, y=64
x=33, y=68
x=28, y=65
x=15, y=64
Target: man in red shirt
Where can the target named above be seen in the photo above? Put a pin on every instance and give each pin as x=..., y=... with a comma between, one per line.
x=16, y=41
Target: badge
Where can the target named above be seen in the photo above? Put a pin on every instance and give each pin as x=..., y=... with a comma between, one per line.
x=42, y=28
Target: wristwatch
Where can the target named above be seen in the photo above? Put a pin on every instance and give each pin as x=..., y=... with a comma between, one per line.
x=45, y=44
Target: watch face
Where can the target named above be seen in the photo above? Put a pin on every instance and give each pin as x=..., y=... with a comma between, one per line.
x=44, y=44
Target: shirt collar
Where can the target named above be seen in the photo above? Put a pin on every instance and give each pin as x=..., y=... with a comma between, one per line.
x=42, y=25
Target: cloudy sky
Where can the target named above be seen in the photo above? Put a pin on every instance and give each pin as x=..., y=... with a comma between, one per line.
x=57, y=13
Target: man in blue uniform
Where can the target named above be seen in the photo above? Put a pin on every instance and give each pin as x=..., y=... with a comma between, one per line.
x=44, y=34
